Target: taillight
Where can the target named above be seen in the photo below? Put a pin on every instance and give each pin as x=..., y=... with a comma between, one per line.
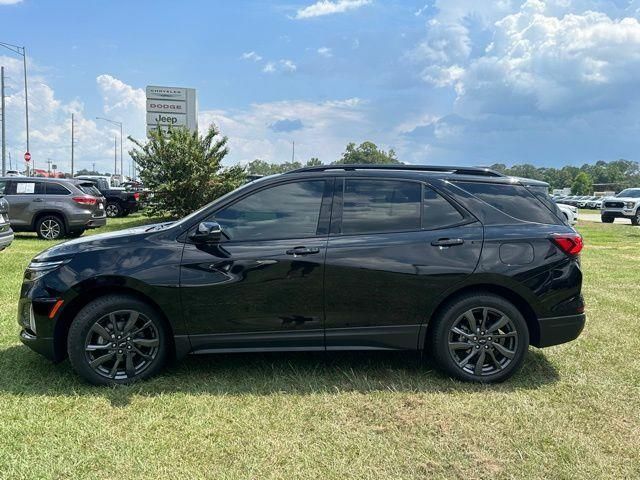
x=136, y=196
x=85, y=200
x=570, y=244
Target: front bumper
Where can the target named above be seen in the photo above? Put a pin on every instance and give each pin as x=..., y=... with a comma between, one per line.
x=557, y=330
x=617, y=212
x=43, y=346
x=6, y=236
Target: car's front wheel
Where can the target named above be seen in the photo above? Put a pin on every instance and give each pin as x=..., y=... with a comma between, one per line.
x=606, y=219
x=480, y=337
x=117, y=339
x=635, y=220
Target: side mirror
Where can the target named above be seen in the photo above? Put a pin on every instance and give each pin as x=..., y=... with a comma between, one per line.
x=207, y=232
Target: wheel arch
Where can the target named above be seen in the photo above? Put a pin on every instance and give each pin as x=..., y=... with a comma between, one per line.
x=505, y=292
x=86, y=295
x=49, y=211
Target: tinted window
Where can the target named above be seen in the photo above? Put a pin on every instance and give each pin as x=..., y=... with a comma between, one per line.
x=630, y=193
x=55, y=189
x=3, y=186
x=89, y=189
x=438, y=212
x=380, y=206
x=291, y=210
x=514, y=200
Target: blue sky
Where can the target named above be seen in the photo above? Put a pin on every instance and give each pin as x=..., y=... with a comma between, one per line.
x=463, y=82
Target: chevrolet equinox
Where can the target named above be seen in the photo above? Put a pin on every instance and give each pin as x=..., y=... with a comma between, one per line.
x=465, y=264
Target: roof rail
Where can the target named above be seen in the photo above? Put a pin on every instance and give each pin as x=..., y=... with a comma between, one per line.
x=483, y=171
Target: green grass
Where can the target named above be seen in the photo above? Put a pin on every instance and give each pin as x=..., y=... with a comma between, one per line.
x=572, y=412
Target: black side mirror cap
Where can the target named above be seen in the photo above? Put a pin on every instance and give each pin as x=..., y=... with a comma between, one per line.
x=207, y=232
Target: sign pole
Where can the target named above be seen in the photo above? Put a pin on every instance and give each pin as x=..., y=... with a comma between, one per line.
x=4, y=121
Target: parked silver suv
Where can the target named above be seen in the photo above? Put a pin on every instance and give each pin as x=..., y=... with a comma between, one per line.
x=625, y=204
x=51, y=207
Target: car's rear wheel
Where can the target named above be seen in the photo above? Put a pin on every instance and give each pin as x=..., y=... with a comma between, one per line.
x=480, y=337
x=113, y=209
x=50, y=227
x=117, y=339
x=606, y=219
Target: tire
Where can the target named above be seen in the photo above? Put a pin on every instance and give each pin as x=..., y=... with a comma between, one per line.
x=113, y=209
x=75, y=233
x=606, y=219
x=50, y=227
x=635, y=220
x=106, y=362
x=125, y=213
x=449, y=348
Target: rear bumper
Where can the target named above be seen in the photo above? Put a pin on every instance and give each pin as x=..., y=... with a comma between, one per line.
x=557, y=330
x=97, y=222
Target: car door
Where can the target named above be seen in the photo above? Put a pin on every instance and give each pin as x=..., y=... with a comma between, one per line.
x=25, y=198
x=395, y=246
x=262, y=285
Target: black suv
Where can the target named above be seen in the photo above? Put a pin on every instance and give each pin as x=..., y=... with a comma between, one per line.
x=464, y=263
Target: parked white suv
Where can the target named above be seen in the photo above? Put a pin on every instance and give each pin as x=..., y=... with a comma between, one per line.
x=570, y=213
x=625, y=204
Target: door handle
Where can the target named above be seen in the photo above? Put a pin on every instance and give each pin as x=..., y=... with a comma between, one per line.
x=302, y=251
x=38, y=200
x=447, y=242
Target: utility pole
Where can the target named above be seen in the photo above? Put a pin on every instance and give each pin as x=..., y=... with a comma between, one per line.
x=49, y=166
x=293, y=152
x=22, y=51
x=115, y=155
x=72, y=143
x=94, y=167
x=4, y=121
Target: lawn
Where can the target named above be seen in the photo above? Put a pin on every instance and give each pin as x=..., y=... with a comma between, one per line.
x=572, y=412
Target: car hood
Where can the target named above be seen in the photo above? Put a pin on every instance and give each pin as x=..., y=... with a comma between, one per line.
x=623, y=199
x=96, y=242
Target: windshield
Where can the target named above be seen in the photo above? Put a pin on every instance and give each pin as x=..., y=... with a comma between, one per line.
x=630, y=192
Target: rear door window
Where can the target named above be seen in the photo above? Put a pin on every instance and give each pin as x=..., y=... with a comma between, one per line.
x=376, y=206
x=437, y=212
x=22, y=187
x=514, y=200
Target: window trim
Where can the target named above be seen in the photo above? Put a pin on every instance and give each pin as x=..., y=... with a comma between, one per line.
x=336, y=222
x=324, y=216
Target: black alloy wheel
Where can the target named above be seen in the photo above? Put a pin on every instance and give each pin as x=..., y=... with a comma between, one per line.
x=483, y=341
x=117, y=339
x=113, y=210
x=479, y=337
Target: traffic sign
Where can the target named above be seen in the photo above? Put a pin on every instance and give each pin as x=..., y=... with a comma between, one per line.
x=27, y=157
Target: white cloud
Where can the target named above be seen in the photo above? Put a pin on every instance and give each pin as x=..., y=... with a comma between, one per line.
x=9, y=2
x=284, y=66
x=327, y=7
x=251, y=56
x=328, y=127
x=325, y=52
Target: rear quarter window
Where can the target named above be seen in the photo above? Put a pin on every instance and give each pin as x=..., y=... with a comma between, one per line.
x=89, y=189
x=514, y=200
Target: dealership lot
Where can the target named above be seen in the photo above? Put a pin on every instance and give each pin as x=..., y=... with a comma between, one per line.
x=571, y=412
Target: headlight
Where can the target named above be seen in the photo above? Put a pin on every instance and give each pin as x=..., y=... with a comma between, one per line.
x=36, y=270
x=630, y=204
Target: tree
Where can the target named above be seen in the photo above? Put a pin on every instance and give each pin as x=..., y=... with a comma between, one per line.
x=582, y=185
x=260, y=167
x=184, y=170
x=366, y=153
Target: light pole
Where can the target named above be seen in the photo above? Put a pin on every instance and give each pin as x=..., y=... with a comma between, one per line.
x=120, y=125
x=22, y=51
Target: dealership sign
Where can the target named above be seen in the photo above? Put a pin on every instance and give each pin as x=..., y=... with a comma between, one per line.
x=171, y=107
